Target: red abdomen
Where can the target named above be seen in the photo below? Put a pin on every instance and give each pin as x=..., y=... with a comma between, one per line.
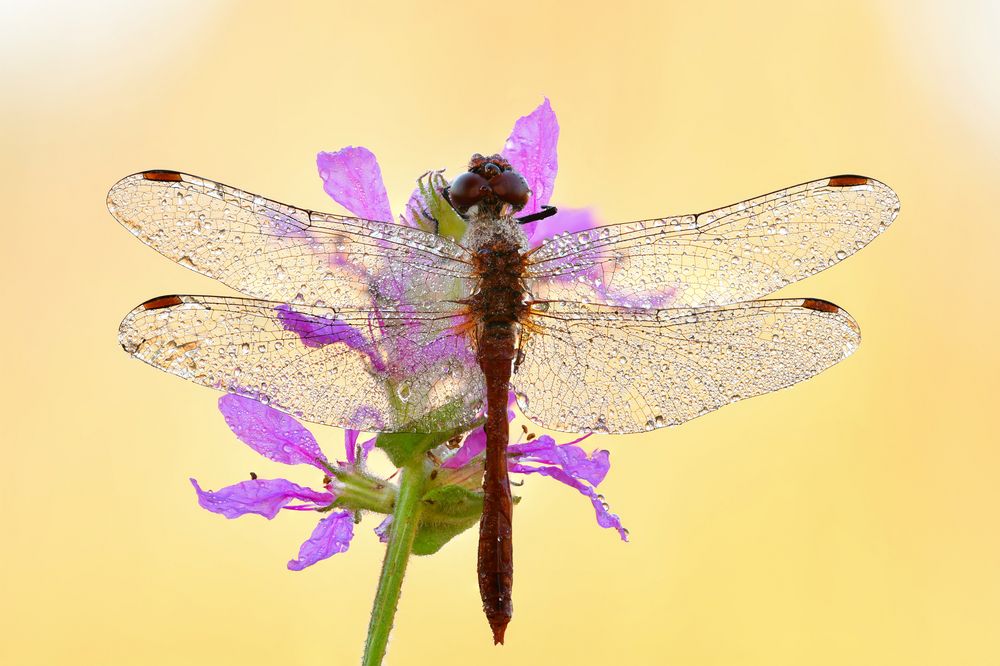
x=496, y=310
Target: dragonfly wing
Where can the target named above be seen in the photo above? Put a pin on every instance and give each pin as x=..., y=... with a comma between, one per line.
x=736, y=253
x=363, y=369
x=277, y=252
x=621, y=370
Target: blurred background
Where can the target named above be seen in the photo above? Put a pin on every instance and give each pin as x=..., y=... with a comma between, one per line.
x=850, y=520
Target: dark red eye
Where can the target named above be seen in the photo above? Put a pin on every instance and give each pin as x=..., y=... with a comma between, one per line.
x=467, y=190
x=509, y=186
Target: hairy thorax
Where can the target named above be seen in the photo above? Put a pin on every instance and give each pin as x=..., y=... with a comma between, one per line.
x=498, y=305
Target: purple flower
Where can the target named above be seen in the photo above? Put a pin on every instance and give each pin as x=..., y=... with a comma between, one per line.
x=352, y=177
x=531, y=149
x=280, y=438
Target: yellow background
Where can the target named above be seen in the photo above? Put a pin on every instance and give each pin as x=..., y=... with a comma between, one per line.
x=850, y=520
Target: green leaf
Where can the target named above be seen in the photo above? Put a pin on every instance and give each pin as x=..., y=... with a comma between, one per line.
x=447, y=512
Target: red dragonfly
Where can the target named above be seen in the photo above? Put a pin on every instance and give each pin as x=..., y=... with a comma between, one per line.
x=380, y=327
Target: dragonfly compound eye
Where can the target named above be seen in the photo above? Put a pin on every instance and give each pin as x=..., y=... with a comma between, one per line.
x=511, y=187
x=467, y=190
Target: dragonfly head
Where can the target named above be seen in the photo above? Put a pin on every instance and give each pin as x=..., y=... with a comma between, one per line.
x=490, y=188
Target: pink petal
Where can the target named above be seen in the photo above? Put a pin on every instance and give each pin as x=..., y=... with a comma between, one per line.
x=475, y=441
x=414, y=211
x=351, y=445
x=265, y=497
x=571, y=459
x=332, y=535
x=351, y=176
x=604, y=516
x=366, y=448
x=567, y=220
x=316, y=331
x=531, y=150
x=474, y=444
x=273, y=434
x=382, y=529
x=412, y=355
x=353, y=450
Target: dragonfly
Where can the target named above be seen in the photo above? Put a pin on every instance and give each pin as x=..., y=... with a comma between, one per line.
x=382, y=327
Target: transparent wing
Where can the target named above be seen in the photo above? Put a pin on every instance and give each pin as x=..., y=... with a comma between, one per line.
x=363, y=369
x=621, y=370
x=277, y=252
x=736, y=253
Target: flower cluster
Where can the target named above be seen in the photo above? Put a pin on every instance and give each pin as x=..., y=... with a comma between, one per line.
x=352, y=177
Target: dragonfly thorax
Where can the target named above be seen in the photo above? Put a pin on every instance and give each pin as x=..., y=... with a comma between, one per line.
x=487, y=196
x=486, y=232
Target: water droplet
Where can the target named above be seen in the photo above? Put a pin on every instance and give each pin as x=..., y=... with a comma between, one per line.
x=403, y=391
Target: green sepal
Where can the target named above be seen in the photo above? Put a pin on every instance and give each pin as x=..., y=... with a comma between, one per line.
x=449, y=223
x=447, y=512
x=402, y=447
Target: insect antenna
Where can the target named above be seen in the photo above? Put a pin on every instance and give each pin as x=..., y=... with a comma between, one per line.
x=546, y=211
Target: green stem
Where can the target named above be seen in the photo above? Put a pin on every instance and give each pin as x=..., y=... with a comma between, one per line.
x=405, y=519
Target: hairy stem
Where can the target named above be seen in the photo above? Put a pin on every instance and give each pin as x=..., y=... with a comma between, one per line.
x=405, y=520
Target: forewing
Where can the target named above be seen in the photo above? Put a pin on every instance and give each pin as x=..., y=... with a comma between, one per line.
x=622, y=370
x=369, y=370
x=736, y=253
x=273, y=251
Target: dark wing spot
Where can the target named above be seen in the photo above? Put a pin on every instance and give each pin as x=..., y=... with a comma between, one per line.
x=162, y=302
x=847, y=181
x=170, y=176
x=822, y=306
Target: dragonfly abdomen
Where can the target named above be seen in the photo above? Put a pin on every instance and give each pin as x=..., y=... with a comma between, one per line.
x=496, y=309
